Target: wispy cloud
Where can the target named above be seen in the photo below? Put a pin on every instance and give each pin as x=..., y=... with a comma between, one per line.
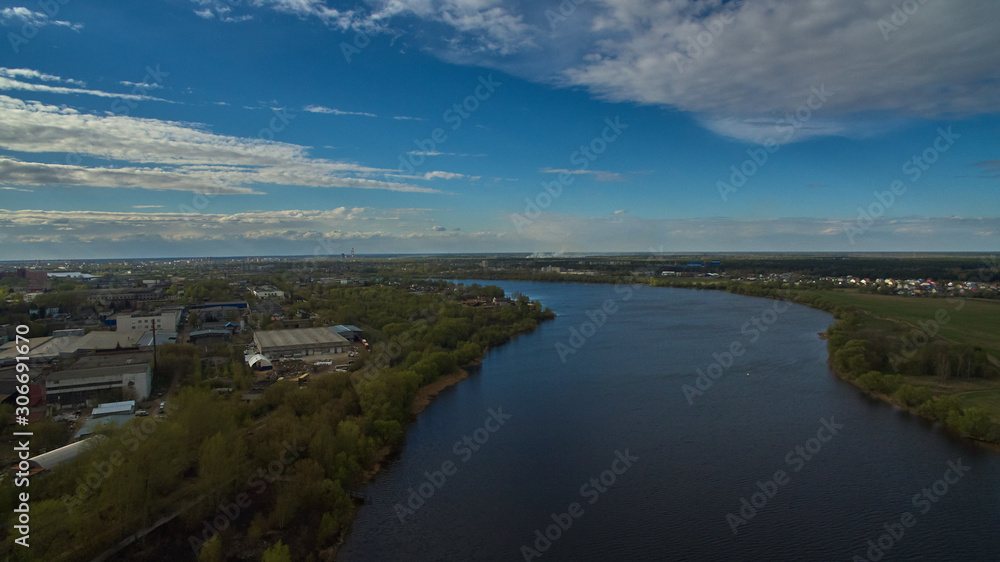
x=7, y=83
x=991, y=168
x=31, y=74
x=143, y=85
x=25, y=16
x=598, y=175
x=448, y=176
x=327, y=110
x=436, y=153
x=38, y=232
x=163, y=155
x=406, y=118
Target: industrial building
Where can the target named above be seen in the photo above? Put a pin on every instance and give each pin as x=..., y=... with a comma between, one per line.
x=258, y=362
x=130, y=373
x=113, y=408
x=349, y=331
x=165, y=319
x=299, y=342
x=55, y=457
x=129, y=297
x=267, y=292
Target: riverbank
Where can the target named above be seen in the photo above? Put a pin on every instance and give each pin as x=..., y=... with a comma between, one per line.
x=894, y=347
x=427, y=393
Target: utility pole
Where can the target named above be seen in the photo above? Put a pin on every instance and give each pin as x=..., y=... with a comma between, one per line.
x=154, y=346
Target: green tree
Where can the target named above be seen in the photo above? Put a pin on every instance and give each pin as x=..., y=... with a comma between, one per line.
x=211, y=551
x=277, y=553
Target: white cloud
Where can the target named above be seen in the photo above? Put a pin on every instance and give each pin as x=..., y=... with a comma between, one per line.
x=40, y=234
x=482, y=26
x=11, y=84
x=436, y=153
x=766, y=63
x=143, y=85
x=448, y=176
x=598, y=175
x=33, y=173
x=163, y=155
x=620, y=232
x=407, y=118
x=320, y=233
x=31, y=74
x=25, y=16
x=739, y=76
x=327, y=110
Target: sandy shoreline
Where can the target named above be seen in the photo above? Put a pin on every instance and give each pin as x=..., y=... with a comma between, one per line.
x=427, y=393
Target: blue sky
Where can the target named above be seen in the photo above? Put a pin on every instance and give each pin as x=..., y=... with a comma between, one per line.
x=177, y=128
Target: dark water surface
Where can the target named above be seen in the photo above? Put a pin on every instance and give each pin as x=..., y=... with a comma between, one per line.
x=622, y=391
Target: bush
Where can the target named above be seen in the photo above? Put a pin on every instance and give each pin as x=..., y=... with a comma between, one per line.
x=973, y=421
x=940, y=407
x=912, y=396
x=874, y=381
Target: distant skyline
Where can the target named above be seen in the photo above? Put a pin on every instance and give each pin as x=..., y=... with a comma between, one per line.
x=301, y=127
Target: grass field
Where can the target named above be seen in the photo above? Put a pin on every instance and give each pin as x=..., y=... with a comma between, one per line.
x=977, y=322
x=967, y=321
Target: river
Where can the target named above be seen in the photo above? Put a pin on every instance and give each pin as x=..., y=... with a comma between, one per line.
x=597, y=438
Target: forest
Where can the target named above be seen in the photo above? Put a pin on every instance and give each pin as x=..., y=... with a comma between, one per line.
x=270, y=479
